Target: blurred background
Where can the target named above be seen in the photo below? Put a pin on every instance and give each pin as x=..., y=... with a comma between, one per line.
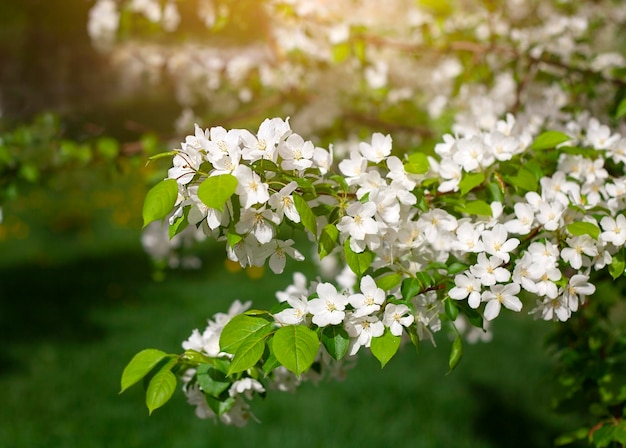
x=79, y=296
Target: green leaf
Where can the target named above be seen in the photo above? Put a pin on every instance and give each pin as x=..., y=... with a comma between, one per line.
x=388, y=282
x=452, y=310
x=328, y=239
x=584, y=228
x=214, y=191
x=621, y=109
x=524, y=179
x=385, y=347
x=233, y=238
x=336, y=341
x=617, y=266
x=417, y=164
x=179, y=224
x=549, y=139
x=609, y=432
x=160, y=389
x=295, y=347
x=359, y=263
x=212, y=380
x=220, y=407
x=475, y=208
x=410, y=287
x=306, y=214
x=470, y=181
x=248, y=353
x=141, y=364
x=240, y=328
x=159, y=201
x=455, y=353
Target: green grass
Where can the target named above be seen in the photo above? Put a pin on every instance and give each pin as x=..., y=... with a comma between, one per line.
x=75, y=309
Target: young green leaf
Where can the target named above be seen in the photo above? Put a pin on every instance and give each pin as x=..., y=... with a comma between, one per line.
x=617, y=266
x=549, y=139
x=455, y=353
x=212, y=380
x=390, y=281
x=385, y=347
x=160, y=389
x=452, y=310
x=306, y=214
x=295, y=347
x=336, y=341
x=214, y=191
x=328, y=239
x=524, y=179
x=243, y=327
x=179, y=224
x=470, y=181
x=359, y=263
x=417, y=164
x=584, y=228
x=248, y=353
x=410, y=287
x=477, y=207
x=141, y=364
x=159, y=201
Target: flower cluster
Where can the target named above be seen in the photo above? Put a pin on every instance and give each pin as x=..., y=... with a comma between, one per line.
x=526, y=215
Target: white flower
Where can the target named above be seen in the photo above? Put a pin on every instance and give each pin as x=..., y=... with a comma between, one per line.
x=466, y=286
x=614, y=230
x=501, y=295
x=282, y=202
x=328, y=308
x=294, y=315
x=263, y=145
x=296, y=153
x=362, y=330
x=579, y=245
x=577, y=288
x=245, y=386
x=496, y=242
x=258, y=222
x=249, y=187
x=369, y=300
x=359, y=221
x=279, y=254
x=488, y=270
x=395, y=318
x=378, y=149
x=525, y=216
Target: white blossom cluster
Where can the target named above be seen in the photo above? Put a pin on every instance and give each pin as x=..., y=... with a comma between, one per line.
x=336, y=53
x=523, y=244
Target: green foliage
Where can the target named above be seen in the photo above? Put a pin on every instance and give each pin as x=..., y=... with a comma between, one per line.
x=336, y=341
x=295, y=347
x=385, y=347
x=214, y=191
x=470, y=181
x=307, y=216
x=328, y=240
x=159, y=201
x=584, y=228
x=548, y=140
x=141, y=364
x=456, y=352
x=358, y=262
x=160, y=390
